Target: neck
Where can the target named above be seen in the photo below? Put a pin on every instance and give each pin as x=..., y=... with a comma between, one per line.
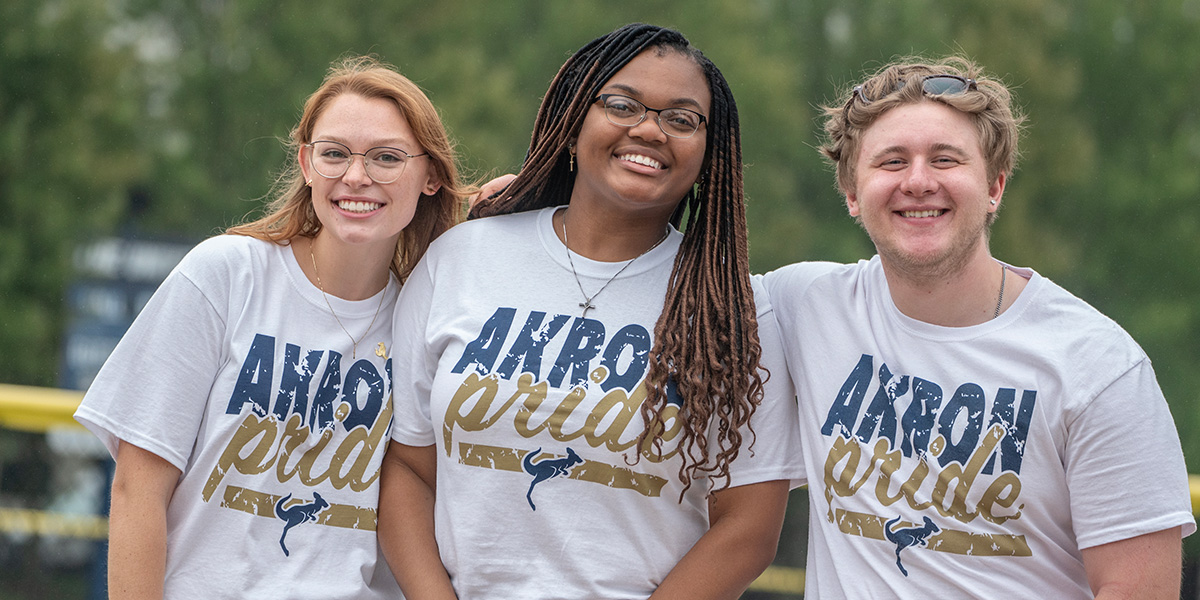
x=349, y=273
x=965, y=296
x=608, y=238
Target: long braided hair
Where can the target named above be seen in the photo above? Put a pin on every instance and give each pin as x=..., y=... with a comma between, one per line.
x=706, y=350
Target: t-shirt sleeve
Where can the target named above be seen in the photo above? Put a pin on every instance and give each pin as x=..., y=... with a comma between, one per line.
x=153, y=389
x=414, y=361
x=775, y=452
x=1125, y=469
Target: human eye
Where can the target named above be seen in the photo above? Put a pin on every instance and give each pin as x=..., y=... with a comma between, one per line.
x=387, y=157
x=622, y=106
x=330, y=152
x=681, y=119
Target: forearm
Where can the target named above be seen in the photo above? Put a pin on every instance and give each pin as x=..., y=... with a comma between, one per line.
x=137, y=551
x=406, y=530
x=137, y=536
x=1146, y=567
x=736, y=549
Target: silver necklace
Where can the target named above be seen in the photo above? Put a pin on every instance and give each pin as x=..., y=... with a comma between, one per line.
x=354, y=349
x=1000, y=300
x=587, y=305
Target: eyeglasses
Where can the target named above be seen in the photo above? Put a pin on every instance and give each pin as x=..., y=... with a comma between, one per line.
x=932, y=85
x=627, y=112
x=382, y=163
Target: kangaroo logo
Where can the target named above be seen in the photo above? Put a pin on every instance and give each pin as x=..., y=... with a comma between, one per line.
x=908, y=536
x=301, y=513
x=547, y=469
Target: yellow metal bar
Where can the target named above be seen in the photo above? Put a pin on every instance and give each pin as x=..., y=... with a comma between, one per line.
x=40, y=409
x=37, y=409
x=42, y=523
x=780, y=580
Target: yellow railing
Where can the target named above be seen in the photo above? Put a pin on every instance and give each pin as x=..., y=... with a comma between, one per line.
x=41, y=409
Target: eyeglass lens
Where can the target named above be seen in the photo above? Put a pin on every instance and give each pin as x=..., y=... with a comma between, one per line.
x=627, y=112
x=932, y=85
x=383, y=164
x=944, y=84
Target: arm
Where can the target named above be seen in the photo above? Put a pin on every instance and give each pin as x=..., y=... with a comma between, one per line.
x=491, y=188
x=137, y=537
x=744, y=525
x=407, y=489
x=1146, y=567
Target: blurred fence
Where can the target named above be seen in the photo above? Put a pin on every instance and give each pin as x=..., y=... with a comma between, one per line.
x=48, y=410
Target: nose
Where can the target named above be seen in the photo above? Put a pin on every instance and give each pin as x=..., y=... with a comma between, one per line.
x=356, y=174
x=649, y=129
x=919, y=180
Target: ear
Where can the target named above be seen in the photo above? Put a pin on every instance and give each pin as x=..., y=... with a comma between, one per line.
x=432, y=185
x=304, y=166
x=996, y=190
x=852, y=204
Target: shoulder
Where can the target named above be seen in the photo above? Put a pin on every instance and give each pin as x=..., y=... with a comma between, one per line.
x=796, y=280
x=222, y=258
x=522, y=223
x=1076, y=329
x=230, y=248
x=486, y=237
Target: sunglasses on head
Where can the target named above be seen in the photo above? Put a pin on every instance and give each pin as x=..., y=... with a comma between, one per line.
x=932, y=85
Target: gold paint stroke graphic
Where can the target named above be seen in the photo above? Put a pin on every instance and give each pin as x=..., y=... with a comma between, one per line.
x=948, y=540
x=509, y=459
x=262, y=504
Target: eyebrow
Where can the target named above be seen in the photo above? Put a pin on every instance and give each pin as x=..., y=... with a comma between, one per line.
x=674, y=102
x=397, y=143
x=938, y=147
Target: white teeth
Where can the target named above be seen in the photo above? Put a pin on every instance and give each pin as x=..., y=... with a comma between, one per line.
x=641, y=160
x=920, y=214
x=358, y=207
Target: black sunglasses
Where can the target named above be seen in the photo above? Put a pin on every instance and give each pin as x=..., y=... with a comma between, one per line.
x=932, y=85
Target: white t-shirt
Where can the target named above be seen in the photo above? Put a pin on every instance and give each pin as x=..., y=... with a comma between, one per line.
x=237, y=374
x=970, y=462
x=534, y=413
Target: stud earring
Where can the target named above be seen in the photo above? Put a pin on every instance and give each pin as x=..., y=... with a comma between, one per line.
x=993, y=202
x=309, y=184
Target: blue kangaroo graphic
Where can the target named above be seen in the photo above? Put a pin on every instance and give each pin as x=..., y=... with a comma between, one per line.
x=547, y=468
x=301, y=513
x=908, y=536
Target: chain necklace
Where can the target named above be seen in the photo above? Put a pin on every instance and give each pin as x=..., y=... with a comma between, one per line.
x=1000, y=300
x=354, y=349
x=587, y=305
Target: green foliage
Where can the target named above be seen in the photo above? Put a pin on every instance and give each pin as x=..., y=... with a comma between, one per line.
x=184, y=102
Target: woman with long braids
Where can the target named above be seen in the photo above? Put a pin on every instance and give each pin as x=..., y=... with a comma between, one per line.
x=580, y=408
x=248, y=405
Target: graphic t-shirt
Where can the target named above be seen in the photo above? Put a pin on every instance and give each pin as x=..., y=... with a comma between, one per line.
x=237, y=373
x=970, y=462
x=534, y=412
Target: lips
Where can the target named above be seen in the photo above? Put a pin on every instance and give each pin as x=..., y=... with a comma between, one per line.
x=358, y=206
x=921, y=214
x=641, y=159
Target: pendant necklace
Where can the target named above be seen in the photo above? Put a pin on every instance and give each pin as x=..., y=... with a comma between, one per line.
x=1000, y=300
x=587, y=305
x=354, y=349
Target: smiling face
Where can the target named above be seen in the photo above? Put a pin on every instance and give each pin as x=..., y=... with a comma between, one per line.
x=921, y=189
x=353, y=209
x=640, y=170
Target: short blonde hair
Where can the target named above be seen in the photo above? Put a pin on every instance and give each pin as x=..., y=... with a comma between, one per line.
x=989, y=105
